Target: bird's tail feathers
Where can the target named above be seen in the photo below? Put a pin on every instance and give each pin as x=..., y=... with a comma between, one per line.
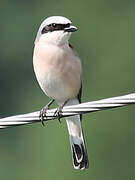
x=78, y=148
x=79, y=154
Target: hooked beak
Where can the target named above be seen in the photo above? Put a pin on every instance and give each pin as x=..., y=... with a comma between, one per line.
x=71, y=29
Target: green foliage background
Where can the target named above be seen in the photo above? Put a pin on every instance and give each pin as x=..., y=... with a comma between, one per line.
x=106, y=44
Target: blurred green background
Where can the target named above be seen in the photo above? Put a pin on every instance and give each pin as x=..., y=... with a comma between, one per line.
x=106, y=44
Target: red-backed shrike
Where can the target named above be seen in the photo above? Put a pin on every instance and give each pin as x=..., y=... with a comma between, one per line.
x=58, y=71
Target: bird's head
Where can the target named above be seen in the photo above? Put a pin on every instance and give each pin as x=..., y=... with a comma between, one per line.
x=55, y=30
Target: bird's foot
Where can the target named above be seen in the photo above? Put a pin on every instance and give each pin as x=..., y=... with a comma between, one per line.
x=43, y=111
x=58, y=112
x=42, y=115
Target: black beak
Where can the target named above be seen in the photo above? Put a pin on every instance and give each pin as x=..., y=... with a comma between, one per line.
x=71, y=29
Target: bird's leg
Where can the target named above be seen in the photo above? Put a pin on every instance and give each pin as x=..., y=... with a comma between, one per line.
x=58, y=112
x=43, y=111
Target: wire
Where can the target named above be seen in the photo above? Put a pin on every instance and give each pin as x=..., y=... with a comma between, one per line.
x=82, y=108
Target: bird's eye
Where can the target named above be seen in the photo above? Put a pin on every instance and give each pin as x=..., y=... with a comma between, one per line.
x=54, y=25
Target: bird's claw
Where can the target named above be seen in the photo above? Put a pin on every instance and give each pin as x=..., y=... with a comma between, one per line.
x=58, y=113
x=42, y=115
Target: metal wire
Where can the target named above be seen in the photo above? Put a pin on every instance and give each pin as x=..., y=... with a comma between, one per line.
x=88, y=107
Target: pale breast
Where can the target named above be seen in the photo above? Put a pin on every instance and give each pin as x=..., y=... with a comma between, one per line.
x=58, y=71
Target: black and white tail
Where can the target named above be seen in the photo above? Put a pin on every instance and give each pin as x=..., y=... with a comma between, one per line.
x=77, y=142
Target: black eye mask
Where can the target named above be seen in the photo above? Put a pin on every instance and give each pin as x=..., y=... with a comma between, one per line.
x=54, y=27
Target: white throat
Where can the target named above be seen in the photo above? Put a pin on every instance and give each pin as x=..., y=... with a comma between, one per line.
x=57, y=38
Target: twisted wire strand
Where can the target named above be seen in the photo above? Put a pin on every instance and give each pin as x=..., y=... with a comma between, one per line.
x=82, y=108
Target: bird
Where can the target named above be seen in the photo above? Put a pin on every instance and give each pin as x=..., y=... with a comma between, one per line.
x=58, y=70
